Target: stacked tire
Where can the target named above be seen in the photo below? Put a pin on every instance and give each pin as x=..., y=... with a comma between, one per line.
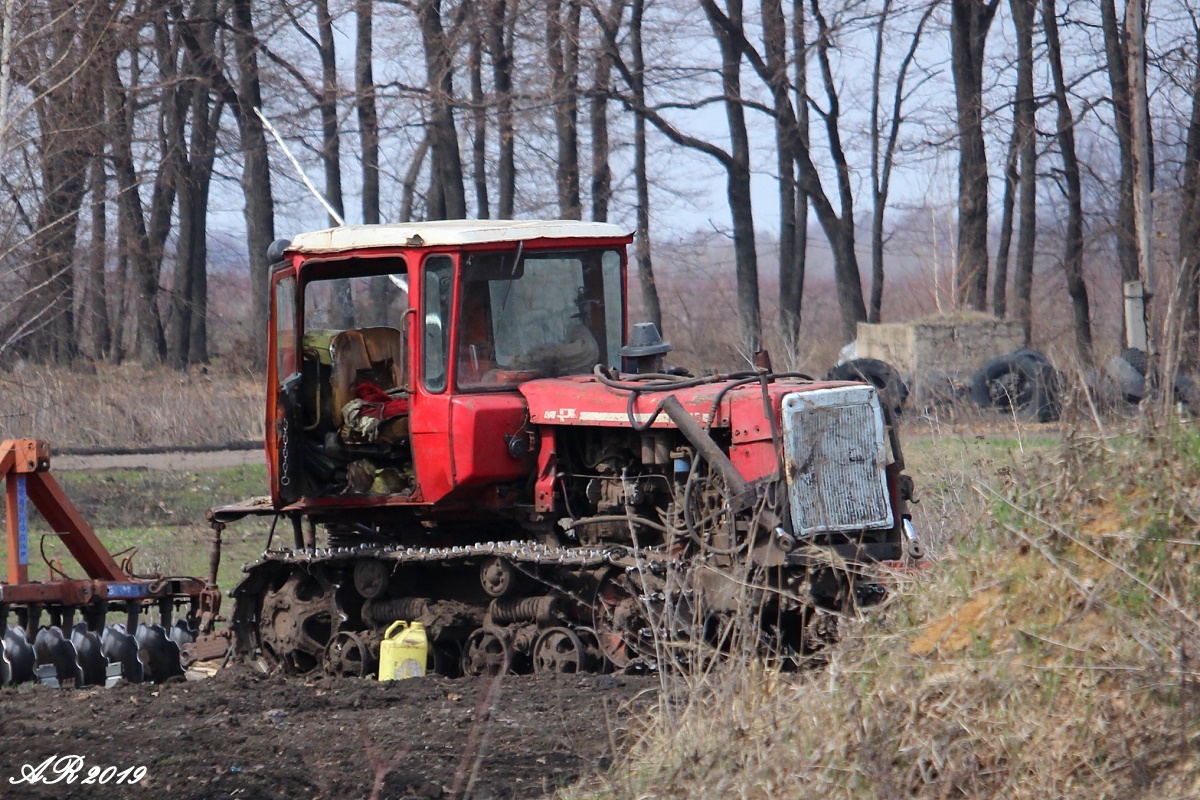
x=893, y=391
x=1136, y=378
x=1023, y=383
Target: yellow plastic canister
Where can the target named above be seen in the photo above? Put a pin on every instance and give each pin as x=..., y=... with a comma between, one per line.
x=403, y=652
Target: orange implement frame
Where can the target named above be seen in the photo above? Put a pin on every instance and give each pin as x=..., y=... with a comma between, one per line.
x=25, y=465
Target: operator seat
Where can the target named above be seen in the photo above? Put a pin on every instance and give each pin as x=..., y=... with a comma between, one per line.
x=365, y=354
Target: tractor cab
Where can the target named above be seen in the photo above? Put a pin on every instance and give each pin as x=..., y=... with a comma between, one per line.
x=396, y=352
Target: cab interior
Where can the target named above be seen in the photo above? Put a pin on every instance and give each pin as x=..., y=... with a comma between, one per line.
x=353, y=378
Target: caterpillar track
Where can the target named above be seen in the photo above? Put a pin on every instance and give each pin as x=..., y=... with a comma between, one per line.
x=514, y=606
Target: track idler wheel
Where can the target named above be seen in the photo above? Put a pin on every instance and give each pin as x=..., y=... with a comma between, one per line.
x=561, y=650
x=488, y=651
x=348, y=656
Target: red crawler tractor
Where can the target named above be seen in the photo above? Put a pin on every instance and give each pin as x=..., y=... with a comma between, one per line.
x=464, y=431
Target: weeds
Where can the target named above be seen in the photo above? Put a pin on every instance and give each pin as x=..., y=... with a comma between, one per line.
x=127, y=407
x=1055, y=658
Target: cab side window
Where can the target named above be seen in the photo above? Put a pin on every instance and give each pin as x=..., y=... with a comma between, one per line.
x=437, y=297
x=285, y=327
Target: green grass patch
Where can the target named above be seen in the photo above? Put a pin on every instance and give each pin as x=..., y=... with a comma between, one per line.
x=158, y=518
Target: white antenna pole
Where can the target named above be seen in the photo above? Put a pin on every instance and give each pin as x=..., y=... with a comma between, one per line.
x=296, y=165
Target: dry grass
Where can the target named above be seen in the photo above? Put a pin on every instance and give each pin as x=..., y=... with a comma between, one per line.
x=1049, y=653
x=129, y=407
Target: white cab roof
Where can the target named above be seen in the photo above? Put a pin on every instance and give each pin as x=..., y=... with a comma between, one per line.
x=448, y=232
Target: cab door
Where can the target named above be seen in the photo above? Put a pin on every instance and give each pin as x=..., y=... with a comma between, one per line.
x=283, y=423
x=432, y=388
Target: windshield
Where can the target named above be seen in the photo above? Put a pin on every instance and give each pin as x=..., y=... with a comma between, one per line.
x=540, y=314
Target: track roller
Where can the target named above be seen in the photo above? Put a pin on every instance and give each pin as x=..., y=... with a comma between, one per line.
x=561, y=650
x=348, y=656
x=488, y=651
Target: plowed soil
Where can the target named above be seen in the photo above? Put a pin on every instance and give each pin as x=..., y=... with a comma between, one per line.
x=245, y=735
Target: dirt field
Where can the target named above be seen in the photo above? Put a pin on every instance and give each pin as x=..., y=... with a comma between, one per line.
x=240, y=734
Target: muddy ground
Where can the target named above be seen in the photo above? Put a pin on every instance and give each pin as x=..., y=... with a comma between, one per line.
x=245, y=735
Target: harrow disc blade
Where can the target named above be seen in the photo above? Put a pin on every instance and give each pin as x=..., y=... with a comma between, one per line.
x=18, y=654
x=89, y=655
x=121, y=648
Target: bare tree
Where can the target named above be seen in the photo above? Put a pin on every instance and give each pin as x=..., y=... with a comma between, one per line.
x=969, y=23
x=838, y=227
x=635, y=77
x=501, y=24
x=478, y=116
x=599, y=94
x=1117, y=63
x=791, y=260
x=94, y=303
x=1189, y=224
x=256, y=169
x=55, y=67
x=791, y=274
x=1073, y=255
x=562, y=46
x=141, y=243
x=883, y=151
x=1025, y=135
x=446, y=198
x=189, y=159
x=365, y=107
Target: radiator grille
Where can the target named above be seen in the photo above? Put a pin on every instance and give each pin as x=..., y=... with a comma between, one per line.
x=836, y=454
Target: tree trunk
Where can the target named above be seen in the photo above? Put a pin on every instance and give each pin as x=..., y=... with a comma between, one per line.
x=882, y=162
x=143, y=267
x=447, y=195
x=562, y=45
x=331, y=153
x=1007, y=206
x=775, y=45
x=838, y=228
x=256, y=171
x=791, y=275
x=1141, y=142
x=1117, y=62
x=478, y=119
x=97, y=290
x=202, y=149
x=1024, y=12
x=364, y=104
x=1073, y=254
x=598, y=114
x=408, y=187
x=177, y=97
x=368, y=134
x=875, y=307
x=645, y=264
x=737, y=169
x=1189, y=233
x=970, y=20
x=500, y=33
x=44, y=328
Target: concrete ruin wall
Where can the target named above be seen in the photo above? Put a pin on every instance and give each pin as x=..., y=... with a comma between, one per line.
x=951, y=344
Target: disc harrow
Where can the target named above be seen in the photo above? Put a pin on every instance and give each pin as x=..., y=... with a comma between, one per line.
x=61, y=634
